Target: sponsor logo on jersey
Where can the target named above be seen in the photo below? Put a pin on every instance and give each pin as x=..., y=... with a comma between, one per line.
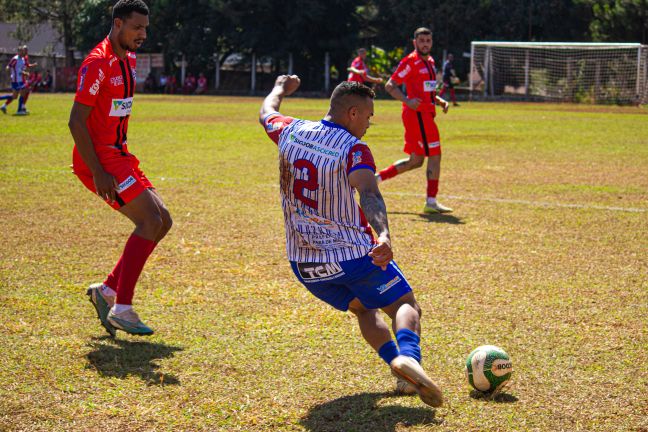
x=271, y=127
x=95, y=87
x=313, y=147
x=357, y=158
x=84, y=71
x=121, y=107
x=319, y=272
x=429, y=85
x=389, y=285
x=405, y=71
x=117, y=80
x=130, y=181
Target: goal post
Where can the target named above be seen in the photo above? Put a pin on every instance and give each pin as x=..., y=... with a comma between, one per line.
x=560, y=71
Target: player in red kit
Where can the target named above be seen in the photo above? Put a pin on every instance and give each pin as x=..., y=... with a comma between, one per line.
x=422, y=140
x=358, y=71
x=102, y=161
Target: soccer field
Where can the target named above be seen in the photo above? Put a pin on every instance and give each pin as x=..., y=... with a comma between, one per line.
x=545, y=255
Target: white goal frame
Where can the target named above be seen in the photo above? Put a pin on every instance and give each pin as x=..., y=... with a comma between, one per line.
x=560, y=71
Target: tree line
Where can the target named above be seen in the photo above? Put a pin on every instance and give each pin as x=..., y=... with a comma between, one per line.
x=309, y=28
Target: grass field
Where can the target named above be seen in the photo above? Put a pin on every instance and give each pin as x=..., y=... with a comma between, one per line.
x=546, y=255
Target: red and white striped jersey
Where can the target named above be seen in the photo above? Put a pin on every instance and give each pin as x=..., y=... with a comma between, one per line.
x=17, y=66
x=324, y=223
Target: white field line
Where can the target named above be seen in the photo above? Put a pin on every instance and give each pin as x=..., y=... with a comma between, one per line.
x=544, y=204
x=529, y=203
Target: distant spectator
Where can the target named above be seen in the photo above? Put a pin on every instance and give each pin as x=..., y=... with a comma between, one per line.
x=163, y=83
x=189, y=84
x=202, y=84
x=170, y=87
x=46, y=83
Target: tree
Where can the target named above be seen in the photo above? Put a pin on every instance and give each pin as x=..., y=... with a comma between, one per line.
x=30, y=13
x=618, y=20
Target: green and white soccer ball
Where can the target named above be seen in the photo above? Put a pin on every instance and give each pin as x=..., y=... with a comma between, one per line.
x=489, y=369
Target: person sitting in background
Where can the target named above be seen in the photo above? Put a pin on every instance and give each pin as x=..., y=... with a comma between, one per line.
x=149, y=83
x=202, y=84
x=189, y=84
x=46, y=83
x=170, y=87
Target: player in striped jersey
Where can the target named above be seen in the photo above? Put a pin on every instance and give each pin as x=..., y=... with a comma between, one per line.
x=17, y=67
x=103, y=163
x=330, y=244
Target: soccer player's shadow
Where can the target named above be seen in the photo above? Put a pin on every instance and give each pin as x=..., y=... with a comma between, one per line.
x=434, y=217
x=123, y=358
x=362, y=412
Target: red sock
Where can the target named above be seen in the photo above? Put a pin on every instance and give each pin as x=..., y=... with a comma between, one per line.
x=113, y=277
x=432, y=188
x=452, y=95
x=135, y=254
x=388, y=172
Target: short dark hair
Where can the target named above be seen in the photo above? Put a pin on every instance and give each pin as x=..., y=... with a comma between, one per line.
x=352, y=88
x=124, y=8
x=422, y=31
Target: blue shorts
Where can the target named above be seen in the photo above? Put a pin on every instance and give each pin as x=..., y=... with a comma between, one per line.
x=17, y=86
x=339, y=283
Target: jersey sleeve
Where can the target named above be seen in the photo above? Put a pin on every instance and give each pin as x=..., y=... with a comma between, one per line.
x=402, y=72
x=274, y=124
x=360, y=157
x=89, y=81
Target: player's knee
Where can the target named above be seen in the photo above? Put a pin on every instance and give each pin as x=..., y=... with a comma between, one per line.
x=167, y=221
x=356, y=308
x=416, y=163
x=417, y=308
x=152, y=224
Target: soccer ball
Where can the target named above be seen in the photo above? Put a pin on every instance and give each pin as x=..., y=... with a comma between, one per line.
x=489, y=369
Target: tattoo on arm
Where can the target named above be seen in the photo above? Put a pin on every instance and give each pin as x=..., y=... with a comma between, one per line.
x=374, y=208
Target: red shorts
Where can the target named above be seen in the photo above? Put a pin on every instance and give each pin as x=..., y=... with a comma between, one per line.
x=420, y=129
x=125, y=169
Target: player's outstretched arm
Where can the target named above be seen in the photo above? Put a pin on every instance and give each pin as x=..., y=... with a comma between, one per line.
x=285, y=85
x=373, y=206
x=373, y=79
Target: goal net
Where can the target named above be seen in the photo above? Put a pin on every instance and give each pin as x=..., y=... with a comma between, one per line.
x=555, y=71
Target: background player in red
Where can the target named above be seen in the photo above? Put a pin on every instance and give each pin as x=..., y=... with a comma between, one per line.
x=422, y=140
x=358, y=71
x=101, y=160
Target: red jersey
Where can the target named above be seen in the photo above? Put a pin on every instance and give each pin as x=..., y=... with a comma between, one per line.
x=107, y=83
x=358, y=63
x=419, y=76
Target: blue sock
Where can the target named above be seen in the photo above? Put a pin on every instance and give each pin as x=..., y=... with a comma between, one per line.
x=8, y=98
x=21, y=101
x=388, y=351
x=408, y=342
